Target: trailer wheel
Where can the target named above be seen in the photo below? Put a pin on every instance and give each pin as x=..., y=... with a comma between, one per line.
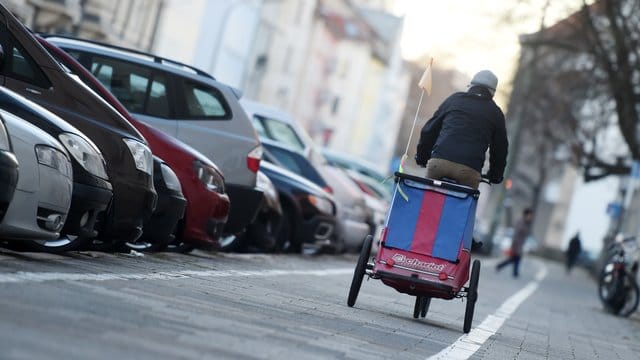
x=424, y=306
x=360, y=270
x=417, y=307
x=472, y=296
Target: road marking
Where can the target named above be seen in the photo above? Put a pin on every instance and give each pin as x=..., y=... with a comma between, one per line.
x=468, y=344
x=36, y=277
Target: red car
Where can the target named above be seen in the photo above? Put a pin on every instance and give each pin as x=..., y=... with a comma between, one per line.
x=201, y=180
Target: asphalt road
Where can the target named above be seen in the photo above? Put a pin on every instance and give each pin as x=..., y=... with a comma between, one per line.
x=224, y=306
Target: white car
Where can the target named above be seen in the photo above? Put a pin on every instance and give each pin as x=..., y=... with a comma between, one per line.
x=353, y=214
x=42, y=196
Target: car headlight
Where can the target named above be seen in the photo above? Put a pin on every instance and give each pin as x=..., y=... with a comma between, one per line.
x=209, y=176
x=53, y=158
x=323, y=205
x=4, y=138
x=141, y=155
x=170, y=178
x=86, y=154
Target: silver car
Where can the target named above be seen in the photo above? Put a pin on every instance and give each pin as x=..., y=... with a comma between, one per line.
x=43, y=193
x=187, y=104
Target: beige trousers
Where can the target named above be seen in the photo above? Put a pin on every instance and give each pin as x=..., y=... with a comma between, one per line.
x=440, y=168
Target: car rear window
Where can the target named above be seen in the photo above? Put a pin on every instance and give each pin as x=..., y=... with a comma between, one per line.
x=203, y=102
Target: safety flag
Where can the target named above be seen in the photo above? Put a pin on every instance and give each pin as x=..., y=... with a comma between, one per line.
x=425, y=85
x=426, y=79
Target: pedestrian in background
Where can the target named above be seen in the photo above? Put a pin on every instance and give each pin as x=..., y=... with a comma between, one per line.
x=520, y=234
x=573, y=251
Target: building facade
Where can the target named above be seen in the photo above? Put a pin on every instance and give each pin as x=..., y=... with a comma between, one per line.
x=131, y=23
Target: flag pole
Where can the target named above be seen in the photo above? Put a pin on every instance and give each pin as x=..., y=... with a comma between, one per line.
x=415, y=119
x=425, y=85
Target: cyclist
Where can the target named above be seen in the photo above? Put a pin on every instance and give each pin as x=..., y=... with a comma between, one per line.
x=454, y=141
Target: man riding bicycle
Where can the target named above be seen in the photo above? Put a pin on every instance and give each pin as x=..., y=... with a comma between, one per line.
x=454, y=141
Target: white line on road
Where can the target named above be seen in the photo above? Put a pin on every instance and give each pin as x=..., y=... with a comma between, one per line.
x=27, y=277
x=469, y=343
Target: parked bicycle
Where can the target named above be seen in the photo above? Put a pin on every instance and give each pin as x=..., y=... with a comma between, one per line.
x=617, y=285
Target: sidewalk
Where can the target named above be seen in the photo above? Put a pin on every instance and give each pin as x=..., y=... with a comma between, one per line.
x=563, y=319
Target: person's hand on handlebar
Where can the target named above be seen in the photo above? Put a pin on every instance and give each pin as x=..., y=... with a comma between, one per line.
x=420, y=161
x=488, y=179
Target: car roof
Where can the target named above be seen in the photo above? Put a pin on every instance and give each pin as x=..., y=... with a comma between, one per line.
x=125, y=52
x=162, y=137
x=253, y=108
x=131, y=55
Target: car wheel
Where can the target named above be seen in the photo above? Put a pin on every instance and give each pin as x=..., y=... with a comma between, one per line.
x=179, y=246
x=286, y=241
x=98, y=244
x=62, y=244
x=138, y=246
x=262, y=235
x=233, y=242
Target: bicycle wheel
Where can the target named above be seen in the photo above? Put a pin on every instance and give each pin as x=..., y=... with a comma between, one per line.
x=611, y=290
x=632, y=295
x=360, y=270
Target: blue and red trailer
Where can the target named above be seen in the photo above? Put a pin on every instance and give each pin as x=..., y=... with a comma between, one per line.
x=425, y=246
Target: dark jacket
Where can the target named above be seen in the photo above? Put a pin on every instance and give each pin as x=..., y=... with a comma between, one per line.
x=520, y=234
x=462, y=129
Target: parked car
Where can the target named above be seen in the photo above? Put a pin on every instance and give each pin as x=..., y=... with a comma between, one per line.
x=277, y=125
x=8, y=170
x=185, y=103
x=375, y=195
x=43, y=194
x=30, y=71
x=352, y=212
x=361, y=166
x=354, y=216
x=308, y=212
x=293, y=148
x=295, y=161
x=370, y=186
x=262, y=234
x=202, y=183
x=159, y=229
x=92, y=189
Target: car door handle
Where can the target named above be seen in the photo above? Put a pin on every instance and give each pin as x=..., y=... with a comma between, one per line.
x=34, y=91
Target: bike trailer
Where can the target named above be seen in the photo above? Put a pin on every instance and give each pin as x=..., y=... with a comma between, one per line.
x=424, y=250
